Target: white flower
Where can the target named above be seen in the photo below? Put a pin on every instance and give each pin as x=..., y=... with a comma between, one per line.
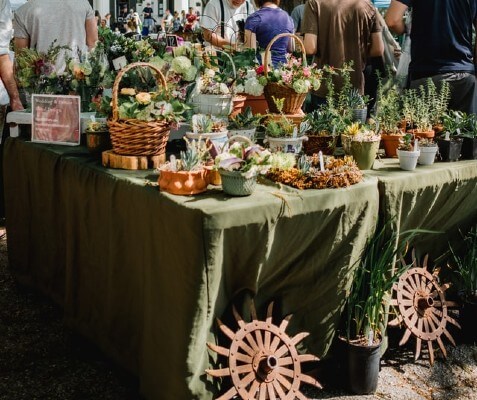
x=250, y=74
x=190, y=74
x=224, y=89
x=240, y=89
x=209, y=72
x=253, y=87
x=163, y=108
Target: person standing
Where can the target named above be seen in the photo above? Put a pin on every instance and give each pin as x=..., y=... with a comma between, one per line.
x=167, y=21
x=338, y=32
x=266, y=23
x=441, y=45
x=38, y=23
x=223, y=21
x=148, y=20
x=297, y=16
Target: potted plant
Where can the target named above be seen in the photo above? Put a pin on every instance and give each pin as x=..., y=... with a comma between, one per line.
x=240, y=164
x=408, y=153
x=244, y=124
x=450, y=142
x=358, y=105
x=209, y=128
x=364, y=144
x=469, y=137
x=438, y=100
x=428, y=149
x=416, y=111
x=97, y=136
x=321, y=127
x=388, y=116
x=282, y=133
x=366, y=306
x=466, y=277
x=187, y=175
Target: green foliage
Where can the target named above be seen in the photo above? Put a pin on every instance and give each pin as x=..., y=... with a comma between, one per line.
x=245, y=120
x=189, y=158
x=466, y=264
x=388, y=108
x=323, y=122
x=376, y=272
x=405, y=143
x=303, y=164
x=460, y=123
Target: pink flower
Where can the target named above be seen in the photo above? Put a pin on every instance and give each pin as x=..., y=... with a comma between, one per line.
x=306, y=72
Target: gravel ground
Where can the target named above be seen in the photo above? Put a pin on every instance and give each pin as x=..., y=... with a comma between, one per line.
x=42, y=359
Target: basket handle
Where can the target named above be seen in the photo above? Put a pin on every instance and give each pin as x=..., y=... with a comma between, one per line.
x=266, y=57
x=159, y=79
x=237, y=138
x=234, y=70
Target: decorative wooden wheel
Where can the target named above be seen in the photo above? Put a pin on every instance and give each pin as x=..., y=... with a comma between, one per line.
x=422, y=307
x=263, y=362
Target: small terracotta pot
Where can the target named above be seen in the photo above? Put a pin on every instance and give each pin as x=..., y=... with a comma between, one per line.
x=258, y=104
x=237, y=105
x=425, y=135
x=391, y=143
x=183, y=182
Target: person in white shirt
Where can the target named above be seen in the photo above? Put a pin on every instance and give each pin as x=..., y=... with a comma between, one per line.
x=223, y=21
x=167, y=21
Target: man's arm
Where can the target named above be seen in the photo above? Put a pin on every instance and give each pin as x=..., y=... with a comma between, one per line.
x=311, y=44
x=394, y=17
x=8, y=79
x=376, y=49
x=215, y=39
x=91, y=32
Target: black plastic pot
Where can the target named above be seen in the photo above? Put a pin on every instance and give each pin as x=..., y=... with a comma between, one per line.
x=449, y=150
x=468, y=316
x=363, y=367
x=469, y=148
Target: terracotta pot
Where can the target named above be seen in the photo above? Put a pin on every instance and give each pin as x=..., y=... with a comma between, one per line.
x=183, y=182
x=425, y=135
x=391, y=143
x=212, y=176
x=237, y=105
x=315, y=144
x=258, y=104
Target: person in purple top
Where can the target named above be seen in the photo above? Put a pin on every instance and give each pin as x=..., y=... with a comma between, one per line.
x=266, y=23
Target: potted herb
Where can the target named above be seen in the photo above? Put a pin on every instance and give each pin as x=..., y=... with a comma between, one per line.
x=187, y=175
x=408, y=153
x=416, y=111
x=366, y=308
x=282, y=133
x=388, y=115
x=466, y=277
x=244, y=124
x=240, y=164
x=428, y=149
x=450, y=142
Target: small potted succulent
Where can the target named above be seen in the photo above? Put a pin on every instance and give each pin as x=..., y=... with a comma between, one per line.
x=364, y=144
x=282, y=133
x=408, y=152
x=322, y=126
x=186, y=175
x=97, y=136
x=428, y=149
x=240, y=164
x=209, y=127
x=244, y=124
x=358, y=105
x=450, y=142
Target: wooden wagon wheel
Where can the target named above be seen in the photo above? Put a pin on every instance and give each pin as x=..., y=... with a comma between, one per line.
x=263, y=362
x=422, y=307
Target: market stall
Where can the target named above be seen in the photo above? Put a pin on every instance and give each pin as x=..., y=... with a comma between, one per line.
x=144, y=274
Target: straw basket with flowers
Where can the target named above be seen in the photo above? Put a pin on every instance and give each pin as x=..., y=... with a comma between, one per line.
x=141, y=121
x=290, y=81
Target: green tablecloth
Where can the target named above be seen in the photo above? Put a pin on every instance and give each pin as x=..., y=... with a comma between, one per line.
x=440, y=197
x=144, y=274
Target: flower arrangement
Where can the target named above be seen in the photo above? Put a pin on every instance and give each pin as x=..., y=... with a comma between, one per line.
x=38, y=72
x=249, y=159
x=251, y=81
x=293, y=74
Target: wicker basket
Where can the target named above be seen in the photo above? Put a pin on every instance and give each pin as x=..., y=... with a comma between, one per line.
x=133, y=137
x=293, y=100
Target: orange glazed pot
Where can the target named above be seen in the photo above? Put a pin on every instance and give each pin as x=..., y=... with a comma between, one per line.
x=183, y=182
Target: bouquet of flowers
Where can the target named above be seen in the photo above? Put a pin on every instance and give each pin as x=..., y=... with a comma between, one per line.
x=38, y=72
x=294, y=75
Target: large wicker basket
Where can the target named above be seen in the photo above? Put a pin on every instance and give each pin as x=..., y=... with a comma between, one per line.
x=293, y=100
x=133, y=137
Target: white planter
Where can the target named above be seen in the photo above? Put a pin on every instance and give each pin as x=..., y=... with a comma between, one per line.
x=427, y=156
x=408, y=159
x=248, y=133
x=217, y=138
x=214, y=104
x=285, y=145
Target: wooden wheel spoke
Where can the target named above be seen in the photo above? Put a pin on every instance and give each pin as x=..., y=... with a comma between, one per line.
x=218, y=373
x=284, y=381
x=253, y=389
x=248, y=379
x=243, y=369
x=279, y=390
x=310, y=380
x=226, y=330
x=453, y=322
x=427, y=328
x=406, y=293
x=299, y=337
x=274, y=345
x=418, y=348
x=431, y=352
x=253, y=311
x=268, y=339
x=243, y=357
x=262, y=394
x=231, y=393
x=246, y=348
x=269, y=313
x=238, y=317
x=432, y=325
x=436, y=321
x=285, y=322
x=300, y=396
x=218, y=349
x=285, y=361
x=449, y=336
x=438, y=313
x=271, y=391
x=252, y=342
x=441, y=346
x=286, y=372
x=405, y=337
x=259, y=336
